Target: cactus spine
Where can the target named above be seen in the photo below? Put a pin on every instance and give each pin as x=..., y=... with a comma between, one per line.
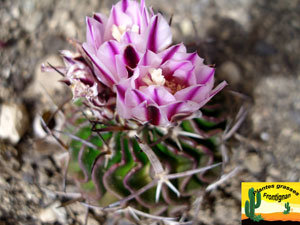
x=251, y=206
x=288, y=208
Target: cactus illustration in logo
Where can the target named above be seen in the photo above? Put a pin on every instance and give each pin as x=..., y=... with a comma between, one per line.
x=288, y=208
x=250, y=205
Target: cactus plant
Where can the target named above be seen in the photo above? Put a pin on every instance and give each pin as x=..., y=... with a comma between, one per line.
x=251, y=206
x=288, y=208
x=114, y=161
x=139, y=139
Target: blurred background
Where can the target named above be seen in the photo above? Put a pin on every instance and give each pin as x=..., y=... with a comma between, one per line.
x=254, y=44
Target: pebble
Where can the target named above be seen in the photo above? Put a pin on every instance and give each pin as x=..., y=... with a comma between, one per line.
x=253, y=163
x=33, y=21
x=274, y=172
x=187, y=27
x=15, y=12
x=264, y=136
x=53, y=213
x=230, y=72
x=13, y=121
x=70, y=29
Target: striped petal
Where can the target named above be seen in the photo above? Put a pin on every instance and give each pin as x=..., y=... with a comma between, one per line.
x=102, y=72
x=171, y=66
x=121, y=107
x=179, y=108
x=94, y=33
x=150, y=59
x=159, y=35
x=150, y=113
x=212, y=93
x=100, y=18
x=185, y=77
x=194, y=93
x=173, y=53
x=158, y=94
x=107, y=55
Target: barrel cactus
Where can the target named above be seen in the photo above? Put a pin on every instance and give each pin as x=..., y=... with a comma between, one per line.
x=145, y=135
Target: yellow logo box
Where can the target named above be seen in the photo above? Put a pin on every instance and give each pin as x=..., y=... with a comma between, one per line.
x=270, y=201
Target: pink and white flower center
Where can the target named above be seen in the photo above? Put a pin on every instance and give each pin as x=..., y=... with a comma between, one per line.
x=173, y=86
x=156, y=77
x=118, y=31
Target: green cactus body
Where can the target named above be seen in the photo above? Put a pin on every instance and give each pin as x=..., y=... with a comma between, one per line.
x=288, y=208
x=109, y=172
x=250, y=205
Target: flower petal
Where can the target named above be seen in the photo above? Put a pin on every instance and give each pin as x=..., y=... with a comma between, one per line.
x=118, y=18
x=94, y=34
x=131, y=57
x=159, y=35
x=100, y=18
x=101, y=71
x=212, y=93
x=204, y=73
x=171, y=66
x=150, y=59
x=194, y=93
x=172, y=52
x=150, y=113
x=107, y=53
x=124, y=5
x=121, y=68
x=184, y=77
x=158, y=94
x=179, y=108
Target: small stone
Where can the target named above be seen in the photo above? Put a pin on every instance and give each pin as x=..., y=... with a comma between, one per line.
x=187, y=27
x=270, y=179
x=264, y=136
x=53, y=213
x=91, y=221
x=274, y=172
x=6, y=72
x=15, y=12
x=292, y=176
x=70, y=29
x=13, y=121
x=253, y=163
x=33, y=21
x=230, y=72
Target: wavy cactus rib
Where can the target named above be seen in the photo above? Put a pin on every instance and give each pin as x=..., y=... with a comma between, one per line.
x=288, y=208
x=251, y=206
x=111, y=164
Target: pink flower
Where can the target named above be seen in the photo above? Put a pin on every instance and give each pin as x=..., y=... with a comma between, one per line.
x=127, y=56
x=166, y=87
x=80, y=78
x=129, y=23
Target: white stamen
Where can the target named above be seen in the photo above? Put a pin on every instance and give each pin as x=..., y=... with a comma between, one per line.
x=135, y=28
x=118, y=31
x=157, y=77
x=147, y=80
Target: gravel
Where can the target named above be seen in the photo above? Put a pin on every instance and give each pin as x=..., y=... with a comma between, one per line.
x=254, y=45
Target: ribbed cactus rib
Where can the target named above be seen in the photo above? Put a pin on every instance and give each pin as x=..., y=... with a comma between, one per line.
x=123, y=165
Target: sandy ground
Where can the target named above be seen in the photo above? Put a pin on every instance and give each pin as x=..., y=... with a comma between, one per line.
x=254, y=45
